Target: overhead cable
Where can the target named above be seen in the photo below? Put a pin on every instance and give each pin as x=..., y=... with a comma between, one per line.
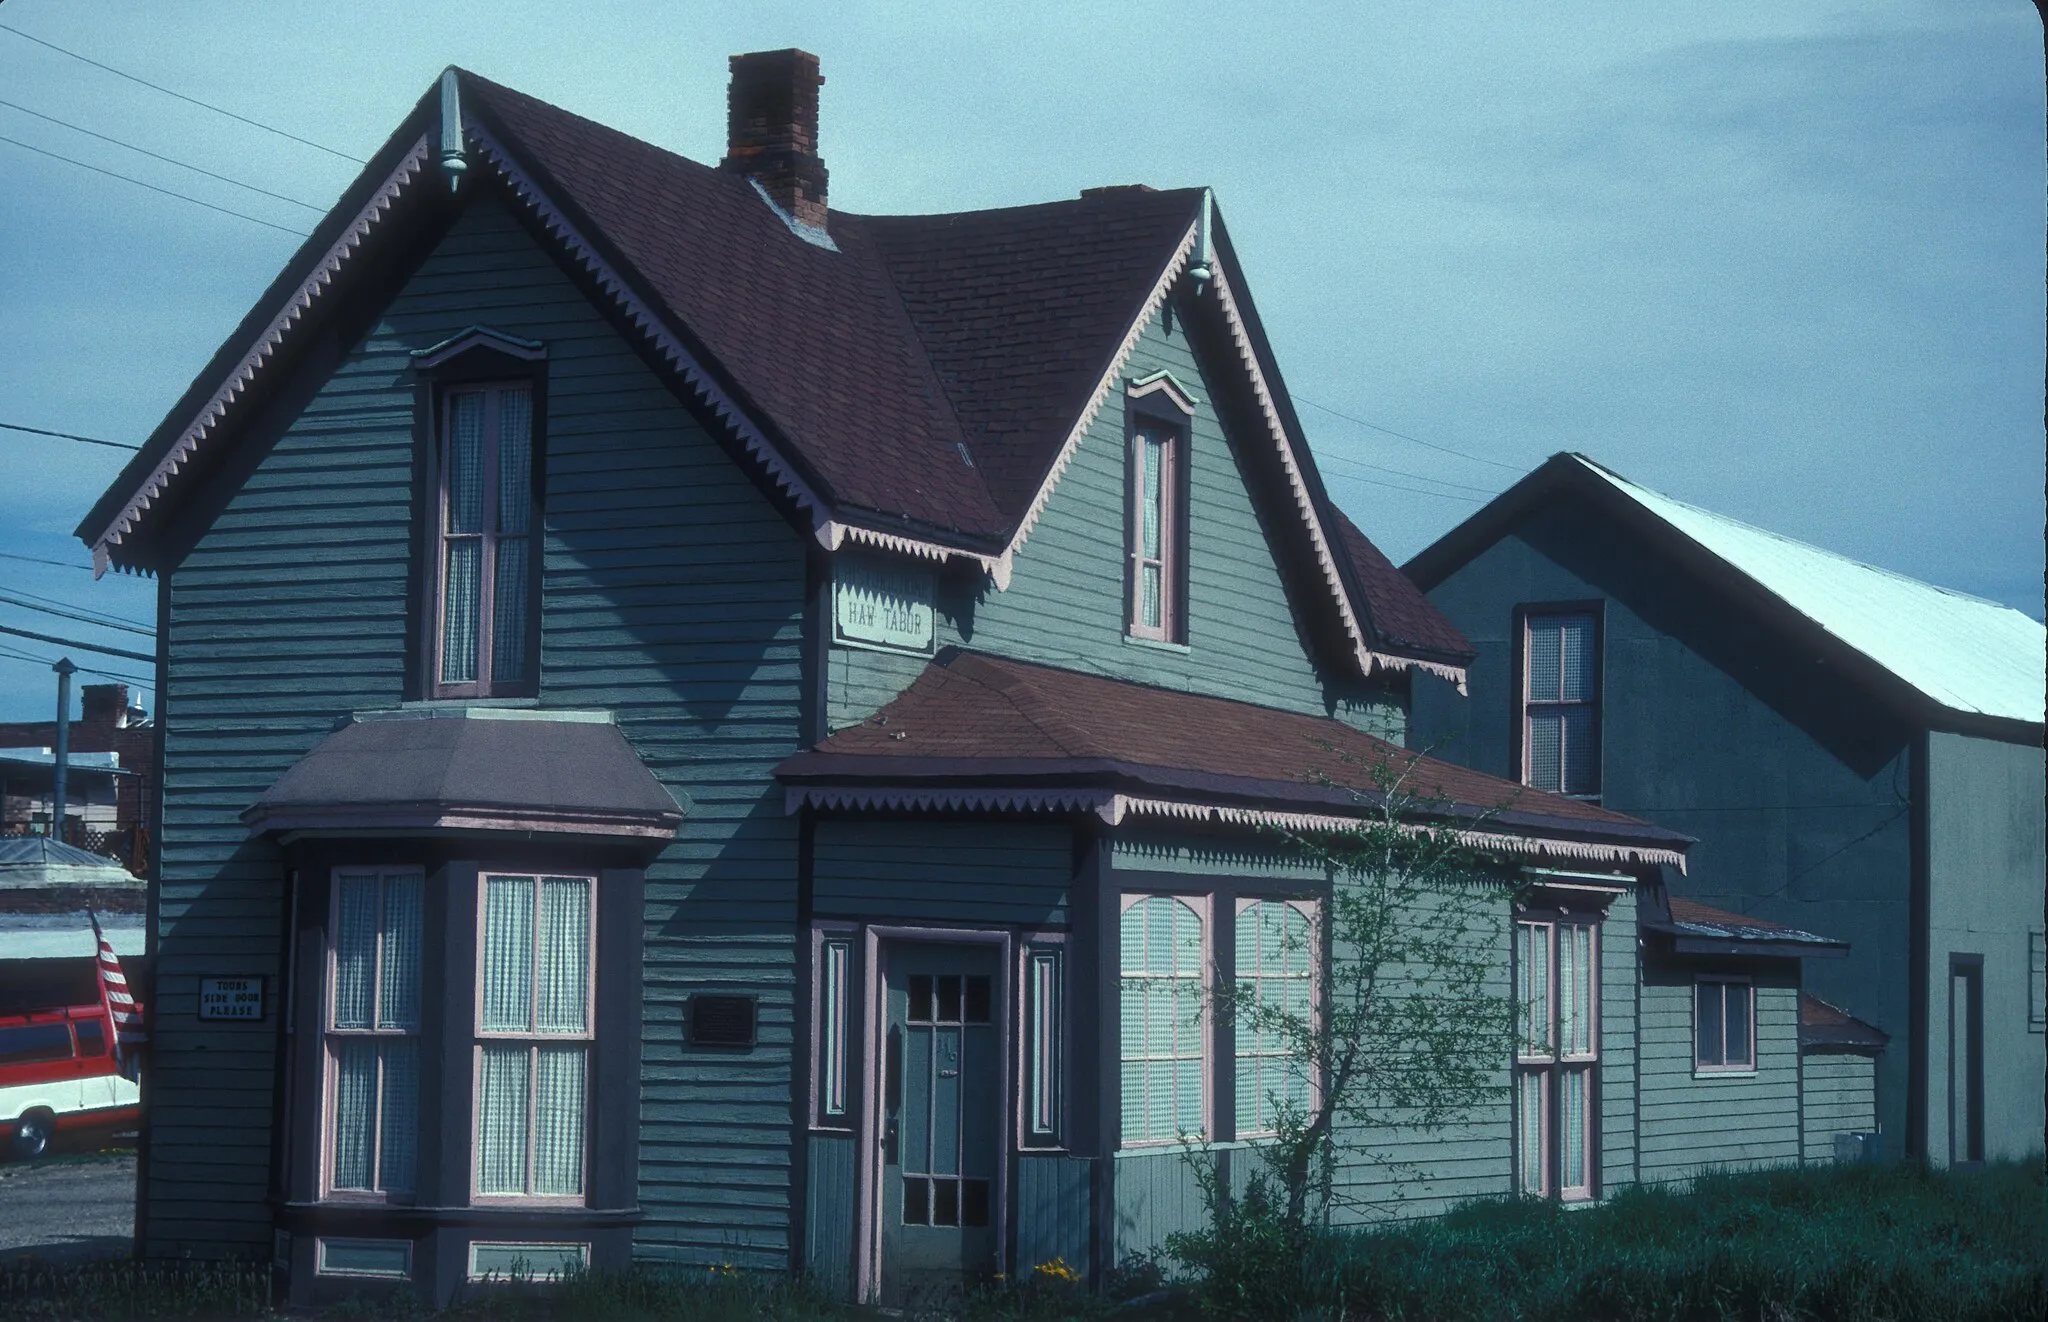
x=1430, y=445
x=171, y=160
x=167, y=192
x=191, y=100
x=68, y=436
x=81, y=618
x=73, y=642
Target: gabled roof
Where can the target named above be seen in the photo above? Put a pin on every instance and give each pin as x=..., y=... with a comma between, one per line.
x=976, y=731
x=1825, y=1027
x=1959, y=653
x=922, y=387
x=1401, y=615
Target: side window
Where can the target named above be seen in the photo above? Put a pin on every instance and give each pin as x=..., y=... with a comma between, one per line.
x=1557, y=1055
x=1560, y=708
x=28, y=1043
x=483, y=642
x=1156, y=530
x=1044, y=1014
x=92, y=1037
x=1723, y=1025
x=373, y=1025
x=1164, y=1051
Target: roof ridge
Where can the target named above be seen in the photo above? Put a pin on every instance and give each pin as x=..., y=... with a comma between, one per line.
x=1630, y=486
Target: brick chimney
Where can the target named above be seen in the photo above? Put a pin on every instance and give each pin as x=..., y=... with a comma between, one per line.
x=104, y=706
x=772, y=129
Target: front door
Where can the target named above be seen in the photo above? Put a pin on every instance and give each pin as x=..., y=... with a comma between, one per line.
x=941, y=1120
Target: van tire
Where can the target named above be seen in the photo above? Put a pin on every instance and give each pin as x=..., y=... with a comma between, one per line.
x=32, y=1134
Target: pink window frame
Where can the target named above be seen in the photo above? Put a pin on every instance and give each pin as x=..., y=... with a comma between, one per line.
x=533, y=1041
x=1530, y=704
x=330, y=1063
x=823, y=1117
x=1171, y=559
x=1204, y=911
x=1723, y=980
x=485, y=685
x=1554, y=1063
x=1032, y=947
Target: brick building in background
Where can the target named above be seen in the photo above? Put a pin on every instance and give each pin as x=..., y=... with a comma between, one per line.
x=112, y=748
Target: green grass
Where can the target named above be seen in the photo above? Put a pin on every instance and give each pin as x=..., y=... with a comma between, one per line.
x=1886, y=1244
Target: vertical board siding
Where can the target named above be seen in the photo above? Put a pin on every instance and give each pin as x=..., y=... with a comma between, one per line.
x=672, y=596
x=998, y=873
x=830, y=1199
x=1157, y=1193
x=1065, y=603
x=1055, y=1213
x=1840, y=1098
x=1695, y=1122
x=1618, y=975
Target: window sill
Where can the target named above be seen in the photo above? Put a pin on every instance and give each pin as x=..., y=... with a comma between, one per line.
x=1158, y=645
x=447, y=704
x=1709, y=1073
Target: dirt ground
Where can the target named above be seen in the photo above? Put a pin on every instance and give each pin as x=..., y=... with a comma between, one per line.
x=67, y=1208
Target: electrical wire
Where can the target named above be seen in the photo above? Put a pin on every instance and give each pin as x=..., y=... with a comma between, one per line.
x=68, y=436
x=190, y=100
x=147, y=685
x=1339, y=460
x=103, y=622
x=38, y=560
x=101, y=648
x=167, y=192
x=171, y=160
x=1430, y=445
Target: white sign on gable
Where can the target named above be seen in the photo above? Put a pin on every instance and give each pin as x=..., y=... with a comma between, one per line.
x=883, y=604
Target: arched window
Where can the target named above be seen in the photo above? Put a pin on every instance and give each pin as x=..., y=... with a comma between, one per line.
x=1163, y=1023
x=1274, y=963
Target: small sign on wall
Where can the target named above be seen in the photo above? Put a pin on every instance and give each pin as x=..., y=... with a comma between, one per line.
x=231, y=998
x=883, y=604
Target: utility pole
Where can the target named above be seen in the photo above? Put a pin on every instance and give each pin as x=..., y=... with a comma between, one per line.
x=64, y=670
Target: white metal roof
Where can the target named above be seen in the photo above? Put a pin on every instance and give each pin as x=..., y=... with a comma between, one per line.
x=1965, y=653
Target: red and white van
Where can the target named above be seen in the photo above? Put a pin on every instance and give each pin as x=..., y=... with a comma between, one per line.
x=57, y=1073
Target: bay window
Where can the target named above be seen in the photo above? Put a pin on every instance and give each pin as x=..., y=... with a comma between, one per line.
x=534, y=1034
x=372, y=1034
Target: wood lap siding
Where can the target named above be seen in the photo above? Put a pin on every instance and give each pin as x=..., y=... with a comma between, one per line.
x=672, y=597
x=1065, y=604
x=1731, y=1122
x=1840, y=1099
x=981, y=872
x=1618, y=965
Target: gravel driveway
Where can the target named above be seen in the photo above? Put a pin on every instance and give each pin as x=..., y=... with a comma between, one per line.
x=67, y=1208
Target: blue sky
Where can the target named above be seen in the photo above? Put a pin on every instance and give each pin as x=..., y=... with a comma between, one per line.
x=1780, y=259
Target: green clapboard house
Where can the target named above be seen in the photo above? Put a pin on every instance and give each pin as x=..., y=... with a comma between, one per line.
x=709, y=719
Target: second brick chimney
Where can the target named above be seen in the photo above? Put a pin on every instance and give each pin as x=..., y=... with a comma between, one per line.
x=772, y=129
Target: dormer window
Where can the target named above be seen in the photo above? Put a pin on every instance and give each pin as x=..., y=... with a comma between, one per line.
x=1560, y=732
x=479, y=632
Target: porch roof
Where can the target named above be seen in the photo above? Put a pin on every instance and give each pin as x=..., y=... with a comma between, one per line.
x=1825, y=1027
x=983, y=732
x=1699, y=929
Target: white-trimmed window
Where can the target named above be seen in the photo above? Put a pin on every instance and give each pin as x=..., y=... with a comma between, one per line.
x=1557, y=1052
x=1723, y=1025
x=1165, y=1035
x=1560, y=715
x=835, y=975
x=1043, y=1016
x=533, y=1035
x=373, y=1033
x=483, y=554
x=1275, y=963
x=1155, y=531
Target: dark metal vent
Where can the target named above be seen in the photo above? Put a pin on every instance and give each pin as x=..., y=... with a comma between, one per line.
x=722, y=1021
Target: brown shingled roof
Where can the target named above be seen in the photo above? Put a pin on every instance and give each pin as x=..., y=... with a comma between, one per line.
x=1823, y=1026
x=1404, y=619
x=972, y=719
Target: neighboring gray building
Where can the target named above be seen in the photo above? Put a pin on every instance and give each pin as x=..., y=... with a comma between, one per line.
x=1857, y=753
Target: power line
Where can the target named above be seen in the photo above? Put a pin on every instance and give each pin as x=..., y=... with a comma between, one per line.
x=38, y=560
x=190, y=100
x=78, y=616
x=73, y=642
x=172, y=160
x=66, y=435
x=1338, y=459
x=1431, y=445
x=68, y=605
x=167, y=192
x=137, y=680
x=1414, y=491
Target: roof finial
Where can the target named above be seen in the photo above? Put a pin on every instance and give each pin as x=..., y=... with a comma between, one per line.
x=1203, y=268
x=452, y=161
